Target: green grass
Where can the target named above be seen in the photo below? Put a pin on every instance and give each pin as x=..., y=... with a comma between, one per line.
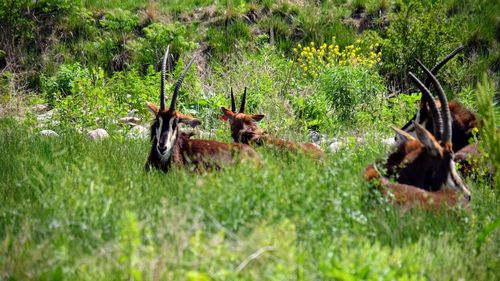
x=71, y=209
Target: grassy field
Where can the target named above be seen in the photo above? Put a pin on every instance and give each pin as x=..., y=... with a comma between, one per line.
x=72, y=209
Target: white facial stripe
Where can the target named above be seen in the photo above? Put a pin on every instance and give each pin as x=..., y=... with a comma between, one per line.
x=158, y=130
x=170, y=139
x=172, y=136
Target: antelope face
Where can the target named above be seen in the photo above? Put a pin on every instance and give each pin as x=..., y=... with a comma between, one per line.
x=426, y=163
x=165, y=129
x=242, y=125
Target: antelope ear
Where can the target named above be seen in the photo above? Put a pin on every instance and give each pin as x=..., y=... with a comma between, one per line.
x=188, y=120
x=428, y=140
x=405, y=136
x=152, y=107
x=227, y=113
x=257, y=117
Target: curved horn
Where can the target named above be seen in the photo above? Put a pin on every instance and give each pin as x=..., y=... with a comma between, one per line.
x=437, y=120
x=440, y=64
x=162, y=88
x=179, y=83
x=445, y=110
x=233, y=103
x=436, y=68
x=243, y=101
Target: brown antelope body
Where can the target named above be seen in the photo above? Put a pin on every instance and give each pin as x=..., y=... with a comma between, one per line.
x=422, y=166
x=244, y=129
x=463, y=120
x=171, y=146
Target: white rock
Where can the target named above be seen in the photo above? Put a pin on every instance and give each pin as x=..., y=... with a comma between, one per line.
x=48, y=133
x=98, y=134
x=316, y=137
x=132, y=112
x=389, y=141
x=335, y=146
x=40, y=108
x=138, y=132
x=129, y=120
x=45, y=117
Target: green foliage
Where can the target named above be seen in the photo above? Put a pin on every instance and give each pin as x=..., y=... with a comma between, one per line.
x=490, y=133
x=345, y=96
x=61, y=84
x=150, y=48
x=227, y=39
x=351, y=91
x=416, y=32
x=81, y=210
x=320, y=25
x=119, y=20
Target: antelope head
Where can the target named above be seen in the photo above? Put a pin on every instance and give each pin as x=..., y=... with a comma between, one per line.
x=243, y=126
x=165, y=128
x=426, y=159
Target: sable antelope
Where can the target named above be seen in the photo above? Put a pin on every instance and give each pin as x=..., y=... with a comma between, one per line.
x=244, y=129
x=463, y=120
x=171, y=146
x=423, y=166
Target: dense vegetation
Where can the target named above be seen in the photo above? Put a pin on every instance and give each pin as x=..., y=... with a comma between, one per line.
x=75, y=209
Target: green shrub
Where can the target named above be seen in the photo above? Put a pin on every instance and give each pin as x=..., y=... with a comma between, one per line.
x=351, y=90
x=61, y=84
x=87, y=98
x=417, y=32
x=149, y=50
x=119, y=20
x=490, y=133
x=224, y=40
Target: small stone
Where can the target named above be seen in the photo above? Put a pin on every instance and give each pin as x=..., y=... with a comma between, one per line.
x=315, y=137
x=40, y=108
x=335, y=146
x=389, y=141
x=45, y=117
x=138, y=132
x=48, y=133
x=98, y=134
x=129, y=120
x=132, y=112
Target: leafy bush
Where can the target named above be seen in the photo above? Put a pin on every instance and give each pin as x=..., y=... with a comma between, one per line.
x=87, y=98
x=149, y=49
x=416, y=32
x=123, y=21
x=61, y=84
x=344, y=80
x=224, y=40
x=490, y=133
x=350, y=90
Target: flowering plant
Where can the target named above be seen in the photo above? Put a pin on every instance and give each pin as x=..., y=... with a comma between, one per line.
x=314, y=60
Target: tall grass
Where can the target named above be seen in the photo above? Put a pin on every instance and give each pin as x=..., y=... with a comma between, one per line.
x=80, y=210
x=490, y=133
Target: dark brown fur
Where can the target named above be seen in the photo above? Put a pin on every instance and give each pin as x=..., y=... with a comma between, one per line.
x=201, y=154
x=410, y=196
x=244, y=129
x=463, y=121
x=411, y=164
